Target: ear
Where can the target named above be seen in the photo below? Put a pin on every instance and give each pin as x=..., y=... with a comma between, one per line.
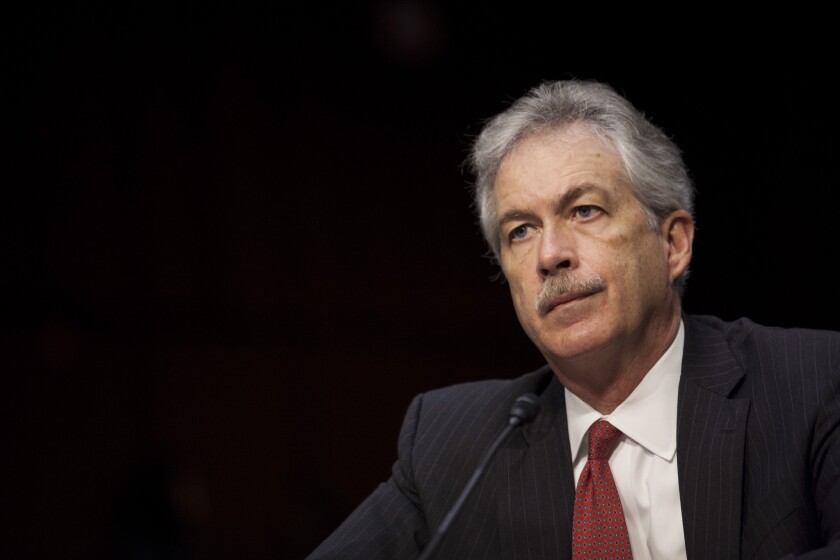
x=678, y=236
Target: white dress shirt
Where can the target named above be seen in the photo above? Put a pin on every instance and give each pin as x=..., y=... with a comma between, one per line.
x=644, y=463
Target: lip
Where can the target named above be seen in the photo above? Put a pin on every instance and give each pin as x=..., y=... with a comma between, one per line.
x=564, y=299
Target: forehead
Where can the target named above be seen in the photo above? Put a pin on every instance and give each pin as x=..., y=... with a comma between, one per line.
x=564, y=159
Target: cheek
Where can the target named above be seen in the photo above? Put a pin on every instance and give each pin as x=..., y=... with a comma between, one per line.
x=518, y=293
x=524, y=297
x=650, y=273
x=515, y=274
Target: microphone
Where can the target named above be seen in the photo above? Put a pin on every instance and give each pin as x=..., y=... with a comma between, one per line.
x=524, y=409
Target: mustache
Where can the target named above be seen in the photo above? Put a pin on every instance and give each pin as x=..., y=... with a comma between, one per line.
x=562, y=284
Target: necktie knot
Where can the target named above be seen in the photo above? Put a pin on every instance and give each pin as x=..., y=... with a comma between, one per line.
x=603, y=437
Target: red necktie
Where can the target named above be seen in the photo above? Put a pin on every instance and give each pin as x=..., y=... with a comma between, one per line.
x=599, y=531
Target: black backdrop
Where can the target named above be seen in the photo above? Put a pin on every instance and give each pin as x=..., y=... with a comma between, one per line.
x=238, y=239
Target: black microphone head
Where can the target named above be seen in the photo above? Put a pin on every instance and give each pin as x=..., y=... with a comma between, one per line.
x=524, y=409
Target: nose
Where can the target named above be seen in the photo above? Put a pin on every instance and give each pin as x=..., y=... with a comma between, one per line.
x=555, y=253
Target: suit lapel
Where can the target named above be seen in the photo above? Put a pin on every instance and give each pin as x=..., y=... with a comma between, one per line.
x=711, y=432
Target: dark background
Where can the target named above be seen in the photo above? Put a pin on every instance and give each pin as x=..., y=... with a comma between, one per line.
x=237, y=239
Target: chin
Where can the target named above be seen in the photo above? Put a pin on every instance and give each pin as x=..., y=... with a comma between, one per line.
x=570, y=340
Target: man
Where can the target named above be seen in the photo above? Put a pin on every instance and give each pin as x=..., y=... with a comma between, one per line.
x=728, y=432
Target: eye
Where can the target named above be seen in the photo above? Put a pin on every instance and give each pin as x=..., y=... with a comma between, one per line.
x=519, y=232
x=586, y=211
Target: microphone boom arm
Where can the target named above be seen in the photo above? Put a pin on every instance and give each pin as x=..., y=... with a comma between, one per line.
x=524, y=409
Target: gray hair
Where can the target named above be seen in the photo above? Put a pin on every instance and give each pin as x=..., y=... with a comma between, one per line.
x=653, y=162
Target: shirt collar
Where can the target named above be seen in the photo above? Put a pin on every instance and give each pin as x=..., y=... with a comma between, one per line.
x=648, y=416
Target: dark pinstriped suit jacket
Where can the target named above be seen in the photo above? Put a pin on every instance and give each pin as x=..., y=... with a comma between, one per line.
x=758, y=454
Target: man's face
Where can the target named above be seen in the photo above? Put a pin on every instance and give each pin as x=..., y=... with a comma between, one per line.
x=587, y=273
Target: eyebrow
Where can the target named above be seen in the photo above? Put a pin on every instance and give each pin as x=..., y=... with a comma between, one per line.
x=564, y=200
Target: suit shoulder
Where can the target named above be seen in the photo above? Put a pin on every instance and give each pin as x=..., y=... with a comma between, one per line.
x=533, y=381
x=485, y=395
x=746, y=337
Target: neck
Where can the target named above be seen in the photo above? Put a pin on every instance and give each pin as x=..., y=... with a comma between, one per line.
x=606, y=377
